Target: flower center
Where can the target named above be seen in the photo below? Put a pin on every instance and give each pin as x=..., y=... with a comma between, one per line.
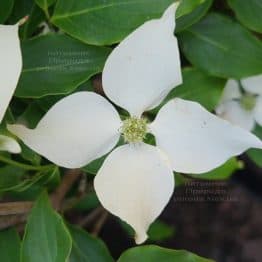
x=248, y=102
x=134, y=129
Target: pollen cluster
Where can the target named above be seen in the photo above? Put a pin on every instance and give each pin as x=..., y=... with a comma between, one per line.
x=248, y=102
x=134, y=129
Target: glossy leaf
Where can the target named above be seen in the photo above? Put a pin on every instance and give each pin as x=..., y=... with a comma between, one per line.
x=87, y=248
x=248, y=13
x=155, y=254
x=57, y=64
x=187, y=6
x=36, y=16
x=94, y=166
x=9, y=246
x=103, y=23
x=197, y=86
x=44, y=4
x=10, y=176
x=193, y=17
x=219, y=46
x=160, y=231
x=46, y=237
x=5, y=10
x=21, y=9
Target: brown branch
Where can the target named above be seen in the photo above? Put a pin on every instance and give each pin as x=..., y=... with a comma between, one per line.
x=15, y=208
x=68, y=180
x=13, y=213
x=8, y=221
x=100, y=223
x=90, y=217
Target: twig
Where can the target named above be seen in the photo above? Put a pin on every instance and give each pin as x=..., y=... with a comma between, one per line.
x=90, y=217
x=8, y=221
x=100, y=223
x=15, y=208
x=13, y=213
x=68, y=180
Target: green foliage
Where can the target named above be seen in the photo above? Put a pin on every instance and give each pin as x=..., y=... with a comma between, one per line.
x=157, y=232
x=46, y=237
x=6, y=9
x=219, y=46
x=44, y=4
x=87, y=248
x=10, y=176
x=156, y=254
x=197, y=86
x=9, y=245
x=193, y=17
x=223, y=172
x=187, y=6
x=21, y=9
x=248, y=12
x=59, y=64
x=160, y=231
x=73, y=17
x=214, y=47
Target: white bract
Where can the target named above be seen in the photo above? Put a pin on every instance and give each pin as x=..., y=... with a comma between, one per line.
x=10, y=68
x=136, y=180
x=241, y=102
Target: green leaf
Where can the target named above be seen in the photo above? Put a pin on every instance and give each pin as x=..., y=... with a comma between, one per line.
x=107, y=22
x=160, y=231
x=193, y=17
x=153, y=253
x=90, y=201
x=30, y=155
x=223, y=172
x=87, y=248
x=256, y=154
x=248, y=13
x=222, y=47
x=21, y=9
x=9, y=246
x=47, y=102
x=186, y=7
x=50, y=178
x=32, y=115
x=46, y=237
x=10, y=176
x=197, y=86
x=44, y=4
x=5, y=10
x=95, y=165
x=36, y=16
x=57, y=64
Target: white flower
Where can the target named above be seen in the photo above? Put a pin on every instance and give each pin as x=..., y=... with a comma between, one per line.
x=136, y=180
x=10, y=68
x=241, y=102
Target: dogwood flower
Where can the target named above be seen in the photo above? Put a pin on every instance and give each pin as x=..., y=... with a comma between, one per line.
x=241, y=102
x=10, y=68
x=136, y=180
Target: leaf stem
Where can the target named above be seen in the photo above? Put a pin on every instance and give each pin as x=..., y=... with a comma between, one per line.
x=24, y=166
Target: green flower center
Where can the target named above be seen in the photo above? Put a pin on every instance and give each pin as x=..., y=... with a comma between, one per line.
x=248, y=102
x=134, y=129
